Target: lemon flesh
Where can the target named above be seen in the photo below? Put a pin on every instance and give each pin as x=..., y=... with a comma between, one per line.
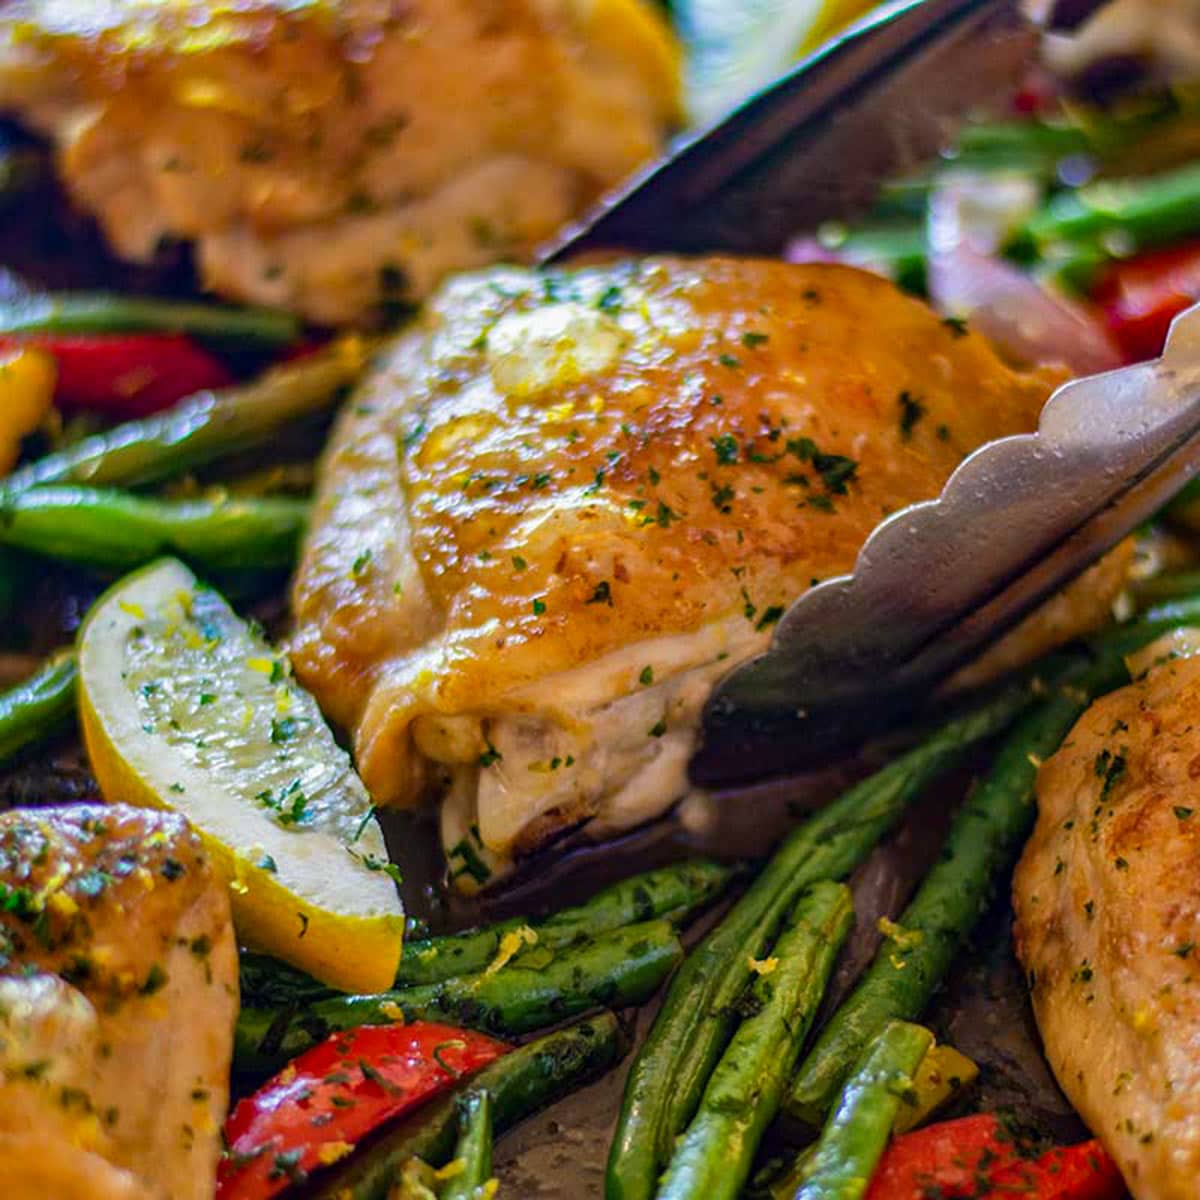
x=185, y=707
x=736, y=49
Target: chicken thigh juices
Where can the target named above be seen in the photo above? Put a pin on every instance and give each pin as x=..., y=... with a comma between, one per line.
x=567, y=503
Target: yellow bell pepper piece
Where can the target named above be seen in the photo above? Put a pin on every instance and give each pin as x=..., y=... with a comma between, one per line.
x=943, y=1073
x=27, y=379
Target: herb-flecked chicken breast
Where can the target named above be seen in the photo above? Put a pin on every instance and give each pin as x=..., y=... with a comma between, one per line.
x=118, y=995
x=1107, y=898
x=336, y=156
x=567, y=503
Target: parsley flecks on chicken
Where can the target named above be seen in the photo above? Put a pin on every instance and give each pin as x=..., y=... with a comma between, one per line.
x=566, y=503
x=333, y=157
x=1107, y=898
x=118, y=995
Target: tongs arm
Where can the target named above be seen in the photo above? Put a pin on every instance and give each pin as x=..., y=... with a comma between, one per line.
x=939, y=581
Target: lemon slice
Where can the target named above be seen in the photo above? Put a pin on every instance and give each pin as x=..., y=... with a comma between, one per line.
x=185, y=707
x=738, y=48
x=637, y=33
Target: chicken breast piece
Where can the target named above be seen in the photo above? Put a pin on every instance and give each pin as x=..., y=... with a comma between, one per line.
x=339, y=156
x=118, y=997
x=566, y=504
x=1107, y=898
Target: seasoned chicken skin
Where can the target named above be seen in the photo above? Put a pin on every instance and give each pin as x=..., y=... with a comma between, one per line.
x=336, y=156
x=118, y=996
x=565, y=504
x=1107, y=898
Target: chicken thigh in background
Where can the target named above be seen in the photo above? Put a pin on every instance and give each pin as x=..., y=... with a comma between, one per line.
x=339, y=158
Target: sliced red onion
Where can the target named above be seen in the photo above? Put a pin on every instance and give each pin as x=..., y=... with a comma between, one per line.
x=1023, y=318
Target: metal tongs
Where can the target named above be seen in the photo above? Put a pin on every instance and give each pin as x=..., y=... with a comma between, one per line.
x=939, y=581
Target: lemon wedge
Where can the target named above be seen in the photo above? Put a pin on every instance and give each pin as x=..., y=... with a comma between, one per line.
x=735, y=49
x=185, y=707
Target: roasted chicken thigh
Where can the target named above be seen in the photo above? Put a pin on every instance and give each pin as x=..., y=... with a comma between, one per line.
x=335, y=156
x=1107, y=898
x=566, y=503
x=118, y=995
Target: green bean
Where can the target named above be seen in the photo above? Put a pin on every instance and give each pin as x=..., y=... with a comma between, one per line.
x=40, y=707
x=671, y=1070
x=1171, y=585
x=896, y=249
x=856, y=1135
x=676, y=892
x=474, y=1149
x=536, y=989
x=519, y=1083
x=715, y=1154
x=1145, y=211
x=984, y=839
x=107, y=313
x=206, y=427
x=113, y=531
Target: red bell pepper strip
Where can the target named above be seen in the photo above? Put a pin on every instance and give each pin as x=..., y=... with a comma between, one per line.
x=317, y=1109
x=125, y=375
x=976, y=1158
x=950, y=1159
x=1140, y=296
x=1083, y=1172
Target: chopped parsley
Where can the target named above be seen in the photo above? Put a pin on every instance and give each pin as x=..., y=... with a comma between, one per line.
x=726, y=448
x=837, y=471
x=602, y=594
x=911, y=412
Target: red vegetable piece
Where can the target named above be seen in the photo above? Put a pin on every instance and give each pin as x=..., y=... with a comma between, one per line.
x=1083, y=1172
x=126, y=375
x=976, y=1158
x=1142, y=295
x=950, y=1159
x=317, y=1109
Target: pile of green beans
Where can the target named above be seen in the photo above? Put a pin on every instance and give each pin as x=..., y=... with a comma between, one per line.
x=985, y=837
x=672, y=1068
x=715, y=1154
x=531, y=992
x=1074, y=231
x=699, y=1016
x=675, y=893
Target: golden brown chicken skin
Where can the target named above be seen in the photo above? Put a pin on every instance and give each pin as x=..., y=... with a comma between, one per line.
x=566, y=503
x=1107, y=898
x=339, y=156
x=118, y=996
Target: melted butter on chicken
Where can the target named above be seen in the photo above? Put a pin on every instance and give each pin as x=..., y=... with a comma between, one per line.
x=118, y=996
x=564, y=505
x=333, y=157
